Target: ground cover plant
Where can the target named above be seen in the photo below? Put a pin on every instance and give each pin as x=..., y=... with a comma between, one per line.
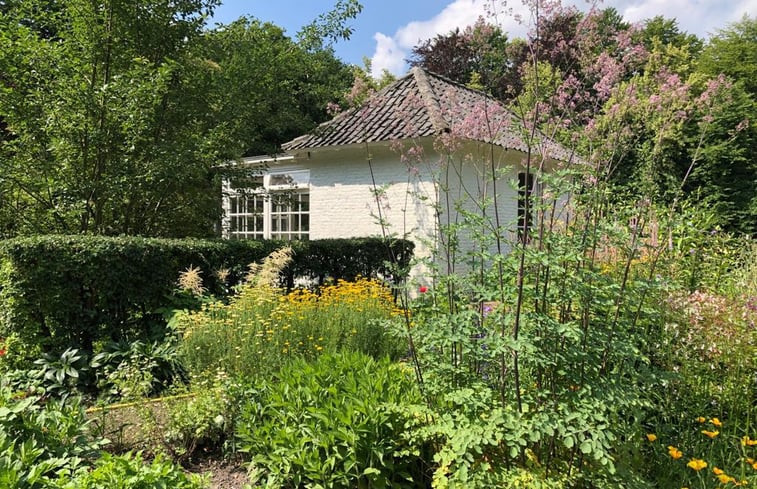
x=337, y=421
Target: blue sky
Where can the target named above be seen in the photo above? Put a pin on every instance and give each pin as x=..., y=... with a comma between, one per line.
x=387, y=30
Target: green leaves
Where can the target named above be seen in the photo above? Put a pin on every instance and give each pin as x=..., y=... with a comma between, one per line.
x=130, y=106
x=337, y=422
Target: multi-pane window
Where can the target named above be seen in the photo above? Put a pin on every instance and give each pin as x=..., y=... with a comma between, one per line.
x=276, y=208
x=246, y=216
x=290, y=216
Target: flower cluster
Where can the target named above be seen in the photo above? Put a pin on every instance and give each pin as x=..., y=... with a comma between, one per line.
x=261, y=327
x=699, y=464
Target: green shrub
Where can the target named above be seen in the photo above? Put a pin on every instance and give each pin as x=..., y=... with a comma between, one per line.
x=130, y=471
x=39, y=438
x=72, y=291
x=205, y=419
x=137, y=369
x=333, y=423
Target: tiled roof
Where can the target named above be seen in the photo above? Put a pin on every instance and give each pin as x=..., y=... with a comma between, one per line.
x=424, y=104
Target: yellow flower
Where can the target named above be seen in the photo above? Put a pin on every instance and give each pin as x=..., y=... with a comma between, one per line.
x=701, y=419
x=717, y=471
x=697, y=464
x=746, y=441
x=725, y=479
x=711, y=434
x=674, y=452
x=716, y=422
x=651, y=436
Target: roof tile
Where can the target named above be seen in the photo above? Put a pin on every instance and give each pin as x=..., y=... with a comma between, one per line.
x=423, y=104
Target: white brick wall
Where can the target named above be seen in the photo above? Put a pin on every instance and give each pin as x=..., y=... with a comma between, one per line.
x=343, y=204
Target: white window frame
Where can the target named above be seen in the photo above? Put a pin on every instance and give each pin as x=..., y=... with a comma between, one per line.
x=296, y=188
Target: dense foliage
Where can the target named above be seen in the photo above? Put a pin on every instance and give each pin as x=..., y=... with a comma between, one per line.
x=609, y=343
x=132, y=105
x=260, y=330
x=72, y=291
x=334, y=423
x=640, y=93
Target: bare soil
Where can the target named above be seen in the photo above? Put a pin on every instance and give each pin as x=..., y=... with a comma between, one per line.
x=222, y=474
x=139, y=426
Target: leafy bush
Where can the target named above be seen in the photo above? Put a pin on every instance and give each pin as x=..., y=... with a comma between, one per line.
x=137, y=369
x=333, y=423
x=63, y=375
x=261, y=329
x=39, y=438
x=72, y=291
x=130, y=471
x=204, y=420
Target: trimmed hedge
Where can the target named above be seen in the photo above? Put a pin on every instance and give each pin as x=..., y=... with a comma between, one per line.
x=70, y=291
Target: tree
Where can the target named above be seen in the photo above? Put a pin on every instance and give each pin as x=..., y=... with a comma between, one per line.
x=733, y=52
x=101, y=126
x=666, y=31
x=264, y=88
x=480, y=52
x=132, y=104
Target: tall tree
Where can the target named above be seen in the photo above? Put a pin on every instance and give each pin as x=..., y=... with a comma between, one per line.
x=100, y=122
x=733, y=51
x=128, y=107
x=480, y=53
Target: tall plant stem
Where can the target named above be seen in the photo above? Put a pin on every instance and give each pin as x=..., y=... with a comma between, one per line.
x=637, y=231
x=406, y=298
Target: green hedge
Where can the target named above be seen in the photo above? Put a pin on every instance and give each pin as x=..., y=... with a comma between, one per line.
x=69, y=291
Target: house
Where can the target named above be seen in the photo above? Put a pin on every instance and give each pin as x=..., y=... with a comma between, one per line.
x=413, y=158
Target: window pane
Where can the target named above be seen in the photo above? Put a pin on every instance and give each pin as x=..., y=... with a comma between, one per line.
x=304, y=202
x=305, y=222
x=281, y=179
x=279, y=205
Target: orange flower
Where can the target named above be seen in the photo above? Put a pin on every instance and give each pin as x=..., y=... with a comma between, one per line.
x=716, y=422
x=717, y=471
x=674, y=452
x=746, y=441
x=651, y=436
x=697, y=464
x=701, y=419
x=711, y=434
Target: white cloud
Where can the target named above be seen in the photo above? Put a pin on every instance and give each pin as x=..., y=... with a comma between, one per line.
x=700, y=17
x=388, y=55
x=459, y=13
x=703, y=17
